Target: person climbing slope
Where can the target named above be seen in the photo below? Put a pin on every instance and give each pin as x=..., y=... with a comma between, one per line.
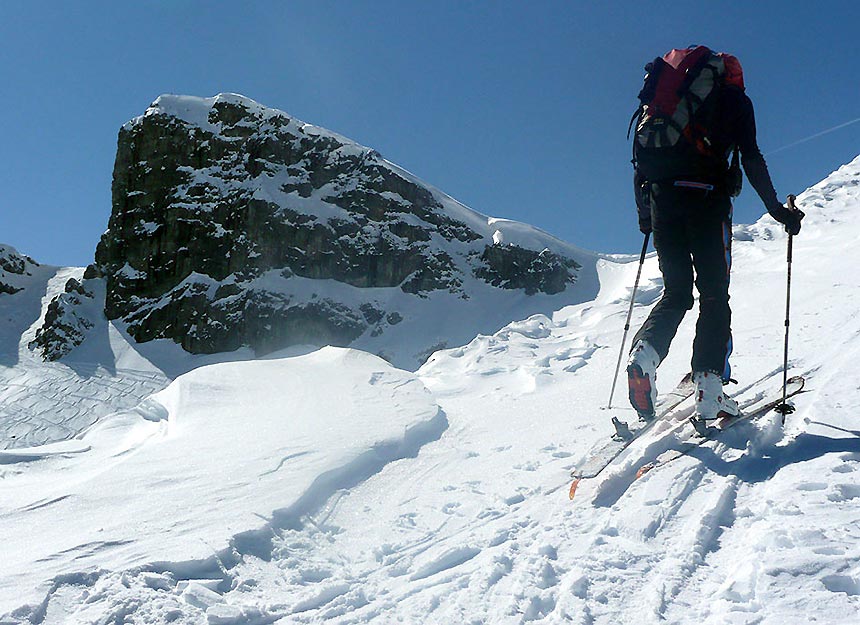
x=693, y=121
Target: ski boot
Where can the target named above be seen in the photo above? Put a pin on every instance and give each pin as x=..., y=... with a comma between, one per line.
x=711, y=403
x=642, y=379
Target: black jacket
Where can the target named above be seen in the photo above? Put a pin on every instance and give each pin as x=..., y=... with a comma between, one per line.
x=734, y=125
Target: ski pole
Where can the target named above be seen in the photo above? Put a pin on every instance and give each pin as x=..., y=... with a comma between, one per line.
x=629, y=316
x=785, y=408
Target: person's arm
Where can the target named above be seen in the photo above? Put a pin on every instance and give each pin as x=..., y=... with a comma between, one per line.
x=753, y=161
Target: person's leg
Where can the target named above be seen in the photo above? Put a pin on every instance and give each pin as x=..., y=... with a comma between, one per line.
x=651, y=343
x=710, y=233
x=671, y=240
x=711, y=241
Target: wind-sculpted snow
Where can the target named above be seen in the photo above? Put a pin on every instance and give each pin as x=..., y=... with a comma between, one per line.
x=761, y=526
x=211, y=468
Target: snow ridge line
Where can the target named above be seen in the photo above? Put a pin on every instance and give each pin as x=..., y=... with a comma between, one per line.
x=325, y=486
x=258, y=542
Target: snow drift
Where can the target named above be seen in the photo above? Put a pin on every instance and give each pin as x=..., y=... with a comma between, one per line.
x=208, y=468
x=759, y=527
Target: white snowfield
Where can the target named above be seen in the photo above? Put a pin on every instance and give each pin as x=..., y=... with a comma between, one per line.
x=331, y=487
x=228, y=451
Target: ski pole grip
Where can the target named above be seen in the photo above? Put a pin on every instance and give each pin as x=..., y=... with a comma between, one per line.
x=644, y=248
x=791, y=205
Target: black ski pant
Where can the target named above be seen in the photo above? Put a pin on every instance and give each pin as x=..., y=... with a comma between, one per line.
x=692, y=230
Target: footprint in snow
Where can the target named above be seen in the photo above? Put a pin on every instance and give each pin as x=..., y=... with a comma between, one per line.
x=502, y=566
x=841, y=583
x=845, y=492
x=447, y=560
x=515, y=499
x=451, y=508
x=828, y=551
x=811, y=486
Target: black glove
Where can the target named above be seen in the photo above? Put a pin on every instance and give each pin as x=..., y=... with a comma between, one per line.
x=645, y=225
x=789, y=218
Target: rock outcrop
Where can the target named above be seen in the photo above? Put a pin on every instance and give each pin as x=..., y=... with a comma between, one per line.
x=15, y=268
x=67, y=320
x=234, y=225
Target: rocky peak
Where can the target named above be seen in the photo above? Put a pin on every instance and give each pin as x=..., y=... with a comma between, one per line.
x=234, y=224
x=15, y=268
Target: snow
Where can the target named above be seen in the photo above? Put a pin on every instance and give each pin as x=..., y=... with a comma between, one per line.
x=450, y=320
x=195, y=110
x=234, y=451
x=441, y=496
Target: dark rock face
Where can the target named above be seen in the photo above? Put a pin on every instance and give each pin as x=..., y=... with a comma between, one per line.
x=514, y=267
x=65, y=327
x=228, y=218
x=14, y=269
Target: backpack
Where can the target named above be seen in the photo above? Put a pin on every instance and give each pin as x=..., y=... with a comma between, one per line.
x=674, y=121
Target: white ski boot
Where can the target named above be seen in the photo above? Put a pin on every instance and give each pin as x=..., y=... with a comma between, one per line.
x=711, y=402
x=642, y=379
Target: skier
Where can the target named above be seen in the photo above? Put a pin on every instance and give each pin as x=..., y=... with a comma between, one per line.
x=694, y=115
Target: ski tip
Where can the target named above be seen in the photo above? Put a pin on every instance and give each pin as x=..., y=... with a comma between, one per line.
x=644, y=469
x=573, y=486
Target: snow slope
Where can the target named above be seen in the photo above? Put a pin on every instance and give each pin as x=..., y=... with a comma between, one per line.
x=225, y=454
x=761, y=527
x=45, y=402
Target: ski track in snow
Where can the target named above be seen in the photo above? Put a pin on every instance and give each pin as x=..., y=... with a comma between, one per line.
x=43, y=402
x=759, y=527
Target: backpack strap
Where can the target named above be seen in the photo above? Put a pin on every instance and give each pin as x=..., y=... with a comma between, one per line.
x=652, y=77
x=693, y=73
x=637, y=115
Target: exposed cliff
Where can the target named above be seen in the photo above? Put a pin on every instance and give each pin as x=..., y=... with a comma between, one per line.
x=15, y=268
x=233, y=225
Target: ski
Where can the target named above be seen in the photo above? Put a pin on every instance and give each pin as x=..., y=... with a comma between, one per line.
x=758, y=409
x=602, y=454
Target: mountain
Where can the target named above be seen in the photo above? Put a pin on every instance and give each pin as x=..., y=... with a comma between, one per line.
x=15, y=270
x=235, y=225
x=330, y=486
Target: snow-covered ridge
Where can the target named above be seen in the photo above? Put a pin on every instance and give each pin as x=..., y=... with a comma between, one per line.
x=198, y=111
x=235, y=225
x=16, y=269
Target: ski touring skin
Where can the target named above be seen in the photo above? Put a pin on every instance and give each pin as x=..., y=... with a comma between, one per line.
x=602, y=454
x=793, y=386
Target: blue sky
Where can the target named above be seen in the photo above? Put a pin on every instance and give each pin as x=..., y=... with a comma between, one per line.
x=517, y=109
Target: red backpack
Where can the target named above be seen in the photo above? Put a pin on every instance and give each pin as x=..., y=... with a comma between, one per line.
x=676, y=114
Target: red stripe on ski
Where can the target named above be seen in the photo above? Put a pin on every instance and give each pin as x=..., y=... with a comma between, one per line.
x=573, y=487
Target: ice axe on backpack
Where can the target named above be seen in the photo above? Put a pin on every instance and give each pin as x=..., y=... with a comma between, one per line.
x=785, y=408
